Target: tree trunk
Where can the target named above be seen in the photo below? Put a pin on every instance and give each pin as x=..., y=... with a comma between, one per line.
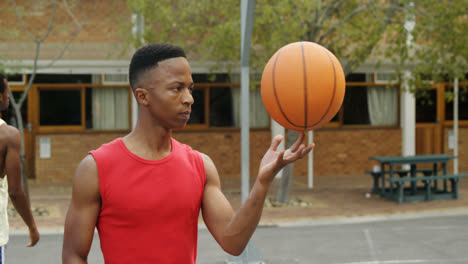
x=38, y=42
x=288, y=171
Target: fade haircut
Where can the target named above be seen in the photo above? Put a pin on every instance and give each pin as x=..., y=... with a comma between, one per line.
x=2, y=83
x=148, y=57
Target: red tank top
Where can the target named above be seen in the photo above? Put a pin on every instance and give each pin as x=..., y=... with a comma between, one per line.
x=149, y=209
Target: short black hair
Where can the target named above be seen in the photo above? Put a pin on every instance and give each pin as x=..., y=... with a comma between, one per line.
x=2, y=83
x=148, y=56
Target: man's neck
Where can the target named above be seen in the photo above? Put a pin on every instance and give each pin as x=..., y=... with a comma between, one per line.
x=149, y=142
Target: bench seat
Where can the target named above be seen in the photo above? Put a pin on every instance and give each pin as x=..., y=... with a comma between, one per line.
x=427, y=180
x=400, y=172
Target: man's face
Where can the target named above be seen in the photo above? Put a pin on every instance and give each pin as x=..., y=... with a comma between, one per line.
x=5, y=97
x=169, y=87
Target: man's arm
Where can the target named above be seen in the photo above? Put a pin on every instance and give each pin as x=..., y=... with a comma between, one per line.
x=233, y=231
x=15, y=187
x=82, y=213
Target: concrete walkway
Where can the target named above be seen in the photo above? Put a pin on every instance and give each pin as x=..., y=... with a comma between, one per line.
x=335, y=198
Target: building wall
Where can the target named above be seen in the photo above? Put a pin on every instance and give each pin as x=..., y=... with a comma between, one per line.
x=344, y=151
x=224, y=148
x=347, y=151
x=100, y=38
x=67, y=150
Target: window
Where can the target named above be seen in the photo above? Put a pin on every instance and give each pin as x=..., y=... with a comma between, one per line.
x=197, y=116
x=115, y=78
x=107, y=108
x=355, y=108
x=258, y=115
x=60, y=107
x=370, y=105
x=84, y=107
x=77, y=102
x=426, y=105
x=385, y=77
x=213, y=106
x=462, y=103
x=62, y=78
x=16, y=79
x=221, y=108
x=217, y=103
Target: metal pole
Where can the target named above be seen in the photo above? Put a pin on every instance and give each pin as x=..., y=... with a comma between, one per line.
x=134, y=111
x=311, y=161
x=245, y=140
x=137, y=31
x=250, y=253
x=247, y=18
x=408, y=101
x=455, y=126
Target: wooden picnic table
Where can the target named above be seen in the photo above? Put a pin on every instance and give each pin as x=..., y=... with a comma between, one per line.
x=396, y=190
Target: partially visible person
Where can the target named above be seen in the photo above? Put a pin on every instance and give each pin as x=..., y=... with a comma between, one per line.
x=10, y=177
x=144, y=192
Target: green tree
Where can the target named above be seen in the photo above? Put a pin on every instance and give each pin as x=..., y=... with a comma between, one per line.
x=439, y=41
x=354, y=30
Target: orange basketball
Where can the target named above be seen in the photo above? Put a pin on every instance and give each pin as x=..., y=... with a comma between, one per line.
x=303, y=86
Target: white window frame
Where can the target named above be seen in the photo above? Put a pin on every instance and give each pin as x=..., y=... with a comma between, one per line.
x=118, y=75
x=385, y=77
x=22, y=82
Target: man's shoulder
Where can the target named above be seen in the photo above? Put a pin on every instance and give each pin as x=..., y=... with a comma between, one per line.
x=108, y=145
x=189, y=150
x=107, y=152
x=181, y=146
x=87, y=161
x=9, y=133
x=186, y=148
x=7, y=127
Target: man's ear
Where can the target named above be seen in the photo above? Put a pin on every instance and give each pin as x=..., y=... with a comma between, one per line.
x=141, y=96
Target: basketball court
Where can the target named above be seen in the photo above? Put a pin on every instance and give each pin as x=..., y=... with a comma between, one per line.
x=400, y=241
x=419, y=238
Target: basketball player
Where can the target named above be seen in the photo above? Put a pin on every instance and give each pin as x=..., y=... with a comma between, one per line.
x=144, y=191
x=10, y=177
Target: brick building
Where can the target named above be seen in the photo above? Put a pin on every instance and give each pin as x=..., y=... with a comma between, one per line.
x=84, y=100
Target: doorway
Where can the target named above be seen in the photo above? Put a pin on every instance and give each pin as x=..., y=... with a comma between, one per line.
x=429, y=120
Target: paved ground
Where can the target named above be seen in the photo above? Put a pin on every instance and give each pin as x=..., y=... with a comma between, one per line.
x=333, y=198
x=403, y=241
